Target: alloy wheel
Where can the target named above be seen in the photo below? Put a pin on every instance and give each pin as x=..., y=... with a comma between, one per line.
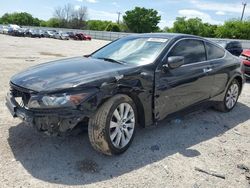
x=232, y=96
x=122, y=125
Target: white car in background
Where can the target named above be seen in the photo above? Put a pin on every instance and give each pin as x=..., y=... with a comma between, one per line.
x=61, y=35
x=1, y=29
x=4, y=29
x=14, y=26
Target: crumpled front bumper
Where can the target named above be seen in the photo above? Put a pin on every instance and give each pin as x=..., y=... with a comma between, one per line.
x=54, y=121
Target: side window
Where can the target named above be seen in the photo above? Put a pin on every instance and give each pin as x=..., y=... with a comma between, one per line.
x=214, y=52
x=192, y=50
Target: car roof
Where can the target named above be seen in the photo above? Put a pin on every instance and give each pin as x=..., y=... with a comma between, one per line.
x=173, y=37
x=166, y=35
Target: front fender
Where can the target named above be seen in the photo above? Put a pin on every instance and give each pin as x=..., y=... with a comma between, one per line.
x=141, y=97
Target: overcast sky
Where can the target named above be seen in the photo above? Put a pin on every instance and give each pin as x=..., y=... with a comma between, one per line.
x=212, y=11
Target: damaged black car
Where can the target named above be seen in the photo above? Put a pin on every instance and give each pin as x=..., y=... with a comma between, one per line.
x=137, y=80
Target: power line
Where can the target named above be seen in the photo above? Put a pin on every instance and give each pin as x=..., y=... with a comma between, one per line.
x=243, y=11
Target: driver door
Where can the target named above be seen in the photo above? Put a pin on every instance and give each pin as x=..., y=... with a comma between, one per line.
x=178, y=88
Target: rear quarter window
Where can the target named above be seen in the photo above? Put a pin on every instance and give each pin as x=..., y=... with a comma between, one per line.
x=214, y=52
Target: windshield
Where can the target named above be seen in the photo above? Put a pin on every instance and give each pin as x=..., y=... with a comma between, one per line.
x=139, y=51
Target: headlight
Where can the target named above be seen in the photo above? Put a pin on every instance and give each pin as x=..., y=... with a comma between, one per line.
x=56, y=101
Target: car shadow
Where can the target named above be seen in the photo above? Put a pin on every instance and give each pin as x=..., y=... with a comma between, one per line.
x=72, y=161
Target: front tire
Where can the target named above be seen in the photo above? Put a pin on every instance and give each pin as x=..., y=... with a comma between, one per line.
x=231, y=97
x=111, y=130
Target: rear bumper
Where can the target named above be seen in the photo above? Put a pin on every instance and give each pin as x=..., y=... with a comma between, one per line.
x=52, y=121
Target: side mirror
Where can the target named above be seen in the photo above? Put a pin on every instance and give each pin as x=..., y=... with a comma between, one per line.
x=174, y=62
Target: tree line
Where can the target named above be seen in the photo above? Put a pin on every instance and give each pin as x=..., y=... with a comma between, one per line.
x=138, y=20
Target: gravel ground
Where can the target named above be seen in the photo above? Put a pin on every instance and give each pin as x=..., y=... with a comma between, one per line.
x=169, y=155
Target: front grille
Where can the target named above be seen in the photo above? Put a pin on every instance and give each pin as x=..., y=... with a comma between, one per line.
x=21, y=95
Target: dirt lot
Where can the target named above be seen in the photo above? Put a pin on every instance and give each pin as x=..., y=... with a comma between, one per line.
x=165, y=156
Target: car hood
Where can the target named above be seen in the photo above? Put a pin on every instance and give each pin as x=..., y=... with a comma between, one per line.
x=66, y=73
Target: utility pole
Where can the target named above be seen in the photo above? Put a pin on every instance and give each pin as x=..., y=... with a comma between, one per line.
x=119, y=14
x=243, y=11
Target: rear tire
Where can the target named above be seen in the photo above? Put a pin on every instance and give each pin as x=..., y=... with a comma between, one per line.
x=231, y=97
x=111, y=130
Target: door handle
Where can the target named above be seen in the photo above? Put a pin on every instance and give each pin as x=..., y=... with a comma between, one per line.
x=207, y=70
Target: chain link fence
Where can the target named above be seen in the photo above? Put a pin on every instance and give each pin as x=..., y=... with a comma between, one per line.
x=110, y=36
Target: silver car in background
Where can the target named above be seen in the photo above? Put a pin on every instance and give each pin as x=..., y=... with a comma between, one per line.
x=61, y=35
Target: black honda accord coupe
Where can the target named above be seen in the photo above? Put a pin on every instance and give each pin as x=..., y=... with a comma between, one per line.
x=136, y=80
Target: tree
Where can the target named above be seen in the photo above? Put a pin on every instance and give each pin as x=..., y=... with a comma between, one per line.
x=193, y=26
x=97, y=25
x=22, y=18
x=210, y=30
x=71, y=17
x=234, y=29
x=142, y=20
x=78, y=19
x=123, y=27
x=43, y=23
x=59, y=13
x=113, y=27
x=166, y=29
x=54, y=22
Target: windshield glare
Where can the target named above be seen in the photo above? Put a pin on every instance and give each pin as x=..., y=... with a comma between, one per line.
x=138, y=51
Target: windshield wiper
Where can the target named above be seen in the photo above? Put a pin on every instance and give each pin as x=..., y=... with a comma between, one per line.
x=111, y=60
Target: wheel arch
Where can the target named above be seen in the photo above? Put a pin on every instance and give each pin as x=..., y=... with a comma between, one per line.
x=219, y=100
x=134, y=96
x=239, y=80
x=139, y=107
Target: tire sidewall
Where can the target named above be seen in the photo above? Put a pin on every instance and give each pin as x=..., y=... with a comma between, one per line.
x=116, y=103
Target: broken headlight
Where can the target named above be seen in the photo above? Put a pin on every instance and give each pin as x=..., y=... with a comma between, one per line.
x=57, y=100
